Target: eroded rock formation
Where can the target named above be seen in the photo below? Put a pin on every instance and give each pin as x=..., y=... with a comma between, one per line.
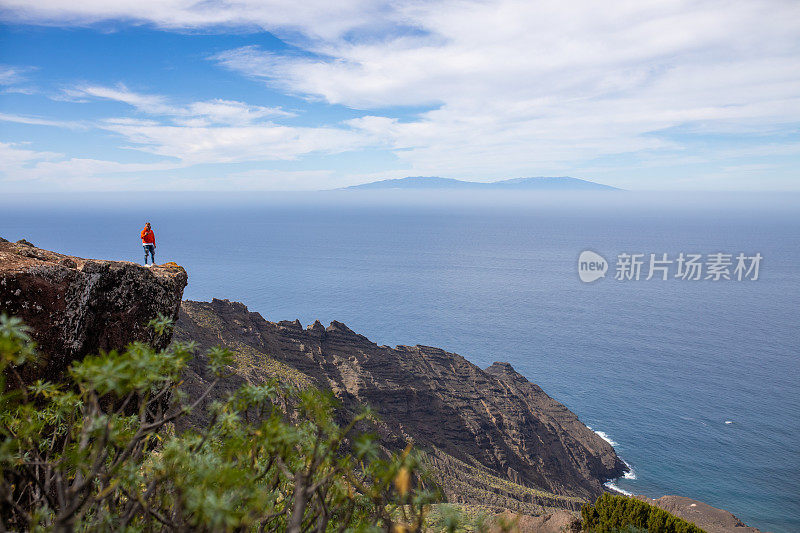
x=78, y=306
x=493, y=437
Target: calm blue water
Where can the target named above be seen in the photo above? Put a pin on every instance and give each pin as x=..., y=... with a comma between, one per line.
x=658, y=366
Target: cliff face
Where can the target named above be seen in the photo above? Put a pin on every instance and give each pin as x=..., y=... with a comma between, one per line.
x=492, y=437
x=81, y=306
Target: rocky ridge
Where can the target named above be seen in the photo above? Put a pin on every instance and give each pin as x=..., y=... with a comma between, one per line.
x=494, y=438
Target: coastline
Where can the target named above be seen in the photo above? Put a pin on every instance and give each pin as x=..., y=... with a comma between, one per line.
x=343, y=361
x=629, y=474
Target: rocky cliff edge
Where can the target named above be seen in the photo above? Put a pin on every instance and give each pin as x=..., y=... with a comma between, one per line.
x=78, y=306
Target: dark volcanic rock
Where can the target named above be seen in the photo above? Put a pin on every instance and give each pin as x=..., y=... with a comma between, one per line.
x=81, y=306
x=494, y=436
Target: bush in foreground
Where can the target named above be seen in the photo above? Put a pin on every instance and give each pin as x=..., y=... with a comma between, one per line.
x=101, y=453
x=612, y=513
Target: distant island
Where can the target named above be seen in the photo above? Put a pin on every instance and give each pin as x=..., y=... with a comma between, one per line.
x=560, y=183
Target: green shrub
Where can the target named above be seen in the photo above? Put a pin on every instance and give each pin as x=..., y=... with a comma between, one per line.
x=101, y=453
x=612, y=513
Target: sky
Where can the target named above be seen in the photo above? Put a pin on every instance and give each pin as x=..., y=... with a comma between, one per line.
x=109, y=95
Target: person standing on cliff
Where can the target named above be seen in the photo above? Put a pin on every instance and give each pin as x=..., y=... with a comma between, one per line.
x=149, y=243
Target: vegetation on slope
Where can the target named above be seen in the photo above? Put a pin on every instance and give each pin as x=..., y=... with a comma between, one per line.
x=612, y=513
x=101, y=453
x=465, y=483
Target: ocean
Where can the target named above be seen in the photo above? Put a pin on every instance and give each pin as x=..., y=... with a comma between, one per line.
x=694, y=382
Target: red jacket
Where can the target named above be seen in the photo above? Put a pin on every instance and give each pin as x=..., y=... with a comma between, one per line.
x=148, y=237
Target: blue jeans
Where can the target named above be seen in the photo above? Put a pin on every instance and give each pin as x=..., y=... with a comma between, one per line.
x=150, y=249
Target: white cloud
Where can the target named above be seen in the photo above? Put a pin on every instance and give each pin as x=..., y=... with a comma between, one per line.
x=204, y=132
x=514, y=86
x=217, y=111
x=15, y=155
x=321, y=19
x=524, y=85
x=231, y=112
x=228, y=144
x=216, y=131
x=38, y=121
x=12, y=75
x=523, y=50
x=14, y=79
x=18, y=163
x=144, y=102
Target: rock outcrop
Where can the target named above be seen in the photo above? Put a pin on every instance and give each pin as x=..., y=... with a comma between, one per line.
x=78, y=306
x=556, y=522
x=708, y=518
x=492, y=437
